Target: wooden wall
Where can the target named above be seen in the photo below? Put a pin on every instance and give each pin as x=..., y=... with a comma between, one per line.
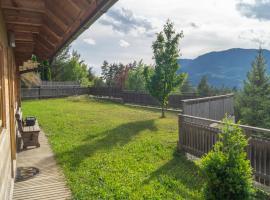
x=9, y=102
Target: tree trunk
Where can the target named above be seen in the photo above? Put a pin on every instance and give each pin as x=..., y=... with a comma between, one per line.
x=162, y=111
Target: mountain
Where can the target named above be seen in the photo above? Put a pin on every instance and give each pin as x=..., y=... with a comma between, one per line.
x=228, y=68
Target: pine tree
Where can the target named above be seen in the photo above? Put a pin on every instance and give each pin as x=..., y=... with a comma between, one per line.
x=187, y=87
x=254, y=100
x=203, y=88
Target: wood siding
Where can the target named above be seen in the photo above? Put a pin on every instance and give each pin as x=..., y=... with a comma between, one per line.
x=10, y=103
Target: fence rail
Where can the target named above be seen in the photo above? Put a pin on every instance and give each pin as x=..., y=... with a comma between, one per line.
x=59, y=83
x=198, y=135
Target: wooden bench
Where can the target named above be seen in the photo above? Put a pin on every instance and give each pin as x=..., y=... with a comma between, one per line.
x=28, y=134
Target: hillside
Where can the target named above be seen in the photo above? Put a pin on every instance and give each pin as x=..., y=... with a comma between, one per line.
x=227, y=67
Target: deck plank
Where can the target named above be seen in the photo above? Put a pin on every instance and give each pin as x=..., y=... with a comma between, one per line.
x=49, y=183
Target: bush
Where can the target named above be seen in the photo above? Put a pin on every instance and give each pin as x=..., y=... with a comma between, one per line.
x=228, y=171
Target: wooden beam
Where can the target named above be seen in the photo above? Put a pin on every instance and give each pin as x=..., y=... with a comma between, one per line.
x=61, y=12
x=75, y=5
x=42, y=38
x=23, y=23
x=23, y=9
x=49, y=33
x=54, y=27
x=79, y=23
x=40, y=46
x=27, y=37
x=57, y=20
x=23, y=20
x=44, y=44
x=23, y=28
x=35, y=6
x=24, y=47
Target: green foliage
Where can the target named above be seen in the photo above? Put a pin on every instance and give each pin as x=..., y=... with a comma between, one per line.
x=44, y=68
x=187, y=87
x=45, y=71
x=108, y=72
x=136, y=80
x=253, y=102
x=164, y=78
x=112, y=151
x=98, y=82
x=228, y=172
x=116, y=74
x=203, y=88
x=70, y=67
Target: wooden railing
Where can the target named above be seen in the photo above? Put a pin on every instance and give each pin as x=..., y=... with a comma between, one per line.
x=198, y=135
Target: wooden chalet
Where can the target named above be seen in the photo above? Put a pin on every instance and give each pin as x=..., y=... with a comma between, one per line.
x=42, y=28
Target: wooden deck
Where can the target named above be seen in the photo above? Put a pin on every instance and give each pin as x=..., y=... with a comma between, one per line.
x=49, y=183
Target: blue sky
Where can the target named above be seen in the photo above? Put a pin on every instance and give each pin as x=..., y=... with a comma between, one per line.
x=126, y=32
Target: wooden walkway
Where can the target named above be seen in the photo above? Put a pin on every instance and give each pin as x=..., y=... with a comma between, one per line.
x=49, y=183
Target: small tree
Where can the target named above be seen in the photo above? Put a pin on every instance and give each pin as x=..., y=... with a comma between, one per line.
x=107, y=73
x=187, y=87
x=227, y=170
x=165, y=79
x=136, y=79
x=203, y=88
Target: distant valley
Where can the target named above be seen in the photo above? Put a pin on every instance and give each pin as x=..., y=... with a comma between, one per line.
x=228, y=68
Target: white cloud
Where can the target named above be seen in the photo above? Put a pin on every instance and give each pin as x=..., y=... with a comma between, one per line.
x=124, y=44
x=90, y=41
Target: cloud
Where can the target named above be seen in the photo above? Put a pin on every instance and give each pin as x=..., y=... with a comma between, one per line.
x=124, y=44
x=194, y=25
x=124, y=21
x=90, y=41
x=256, y=37
x=258, y=9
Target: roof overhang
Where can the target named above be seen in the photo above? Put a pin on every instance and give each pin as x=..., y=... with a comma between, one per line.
x=44, y=27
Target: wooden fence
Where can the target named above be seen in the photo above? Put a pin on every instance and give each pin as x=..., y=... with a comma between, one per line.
x=214, y=107
x=198, y=135
x=141, y=98
x=52, y=92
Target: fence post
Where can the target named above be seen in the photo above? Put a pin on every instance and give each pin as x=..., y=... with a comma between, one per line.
x=39, y=92
x=180, y=132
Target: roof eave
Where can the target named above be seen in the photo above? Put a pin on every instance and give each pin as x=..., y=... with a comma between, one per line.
x=85, y=25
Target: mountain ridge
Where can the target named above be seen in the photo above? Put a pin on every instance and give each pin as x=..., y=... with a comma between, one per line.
x=223, y=68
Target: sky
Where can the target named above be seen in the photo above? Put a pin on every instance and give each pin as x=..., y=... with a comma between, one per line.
x=127, y=30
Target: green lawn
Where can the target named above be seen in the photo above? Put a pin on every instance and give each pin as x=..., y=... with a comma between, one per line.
x=111, y=151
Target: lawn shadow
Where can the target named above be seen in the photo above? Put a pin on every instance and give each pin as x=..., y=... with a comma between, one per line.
x=118, y=136
x=179, y=169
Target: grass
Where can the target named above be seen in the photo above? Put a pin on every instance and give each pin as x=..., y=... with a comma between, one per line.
x=111, y=151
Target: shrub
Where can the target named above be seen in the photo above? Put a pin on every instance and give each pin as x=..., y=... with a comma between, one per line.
x=228, y=171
